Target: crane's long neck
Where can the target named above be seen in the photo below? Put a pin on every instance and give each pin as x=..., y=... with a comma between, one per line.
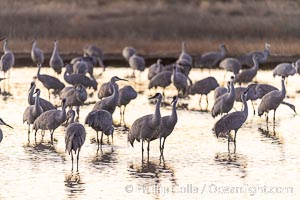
x=115, y=95
x=232, y=90
x=283, y=90
x=5, y=48
x=37, y=103
x=63, y=114
x=54, y=49
x=156, y=120
x=255, y=66
x=30, y=95
x=245, y=111
x=174, y=113
x=33, y=45
x=223, y=52
x=72, y=118
x=39, y=70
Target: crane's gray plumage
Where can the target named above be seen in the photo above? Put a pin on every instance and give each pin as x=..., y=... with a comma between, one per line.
x=76, y=79
x=49, y=82
x=126, y=94
x=46, y=105
x=51, y=120
x=231, y=65
x=100, y=120
x=106, y=89
x=232, y=121
x=1, y=133
x=219, y=91
x=203, y=87
x=167, y=125
x=128, y=52
x=184, y=66
x=180, y=81
x=284, y=69
x=261, y=55
x=89, y=60
x=75, y=97
x=297, y=63
x=56, y=62
x=272, y=100
x=7, y=60
x=163, y=79
x=110, y=103
x=144, y=128
x=211, y=59
x=37, y=54
x=75, y=136
x=137, y=63
x=154, y=69
x=33, y=111
x=224, y=103
x=247, y=75
x=80, y=67
x=96, y=52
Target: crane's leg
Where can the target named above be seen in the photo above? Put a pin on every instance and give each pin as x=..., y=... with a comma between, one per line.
x=78, y=157
x=160, y=144
x=142, y=150
x=120, y=115
x=234, y=141
x=124, y=115
x=28, y=132
x=274, y=116
x=163, y=146
x=112, y=138
x=253, y=107
x=229, y=142
x=200, y=102
x=34, y=136
x=97, y=137
x=101, y=141
x=206, y=102
x=72, y=159
x=148, y=150
x=51, y=132
x=77, y=110
x=49, y=94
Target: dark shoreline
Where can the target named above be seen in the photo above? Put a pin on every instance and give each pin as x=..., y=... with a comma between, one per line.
x=116, y=60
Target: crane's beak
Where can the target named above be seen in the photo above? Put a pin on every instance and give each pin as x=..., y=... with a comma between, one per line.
x=174, y=98
x=121, y=79
x=8, y=125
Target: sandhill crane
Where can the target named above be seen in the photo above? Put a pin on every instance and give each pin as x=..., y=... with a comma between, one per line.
x=219, y=91
x=137, y=63
x=144, y=128
x=75, y=97
x=76, y=79
x=110, y=103
x=75, y=136
x=126, y=94
x=128, y=52
x=96, y=52
x=284, y=69
x=154, y=69
x=262, y=56
x=100, y=120
x=184, y=66
x=49, y=82
x=232, y=121
x=1, y=133
x=163, y=79
x=37, y=54
x=252, y=95
x=211, y=59
x=51, y=120
x=247, y=75
x=230, y=65
x=32, y=112
x=46, y=105
x=80, y=67
x=56, y=62
x=272, y=100
x=184, y=55
x=180, y=81
x=89, y=60
x=203, y=87
x=167, y=126
x=7, y=61
x=224, y=103
x=105, y=90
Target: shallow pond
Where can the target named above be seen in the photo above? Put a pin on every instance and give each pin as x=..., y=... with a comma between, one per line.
x=195, y=164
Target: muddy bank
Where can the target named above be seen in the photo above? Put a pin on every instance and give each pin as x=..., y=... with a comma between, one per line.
x=116, y=60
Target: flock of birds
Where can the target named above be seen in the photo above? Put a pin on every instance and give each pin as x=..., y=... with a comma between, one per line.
x=42, y=115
